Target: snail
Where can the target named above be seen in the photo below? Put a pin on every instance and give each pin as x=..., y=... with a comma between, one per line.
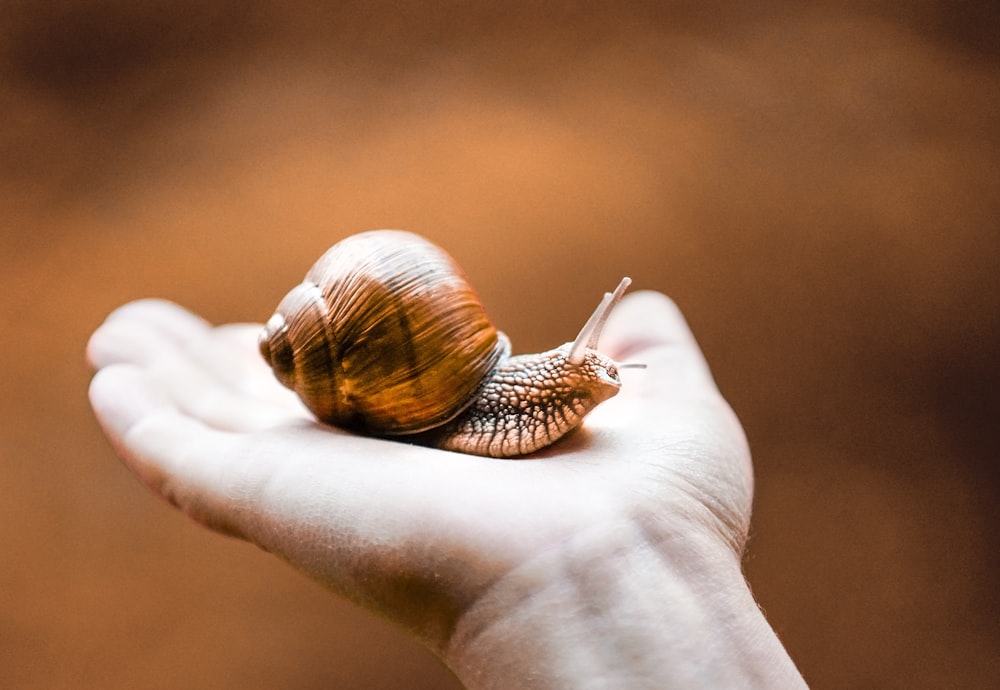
x=386, y=337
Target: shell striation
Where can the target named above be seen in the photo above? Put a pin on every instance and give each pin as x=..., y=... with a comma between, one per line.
x=385, y=335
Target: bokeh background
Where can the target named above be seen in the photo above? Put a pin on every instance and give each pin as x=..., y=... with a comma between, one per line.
x=816, y=185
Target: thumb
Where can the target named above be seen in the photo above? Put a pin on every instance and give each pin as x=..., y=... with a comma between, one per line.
x=648, y=328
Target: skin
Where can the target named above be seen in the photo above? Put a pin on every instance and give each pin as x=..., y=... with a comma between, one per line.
x=609, y=560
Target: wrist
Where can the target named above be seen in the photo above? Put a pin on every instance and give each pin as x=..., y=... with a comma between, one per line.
x=617, y=607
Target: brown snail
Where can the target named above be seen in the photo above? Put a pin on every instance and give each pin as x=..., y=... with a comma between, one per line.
x=385, y=336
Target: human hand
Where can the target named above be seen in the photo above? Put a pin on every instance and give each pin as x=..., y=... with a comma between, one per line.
x=516, y=572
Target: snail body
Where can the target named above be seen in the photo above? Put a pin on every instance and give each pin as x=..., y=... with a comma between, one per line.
x=386, y=337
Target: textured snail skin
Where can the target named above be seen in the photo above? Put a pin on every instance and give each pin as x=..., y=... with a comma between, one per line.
x=386, y=337
x=529, y=403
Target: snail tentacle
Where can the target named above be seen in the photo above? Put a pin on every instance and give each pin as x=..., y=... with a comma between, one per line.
x=590, y=334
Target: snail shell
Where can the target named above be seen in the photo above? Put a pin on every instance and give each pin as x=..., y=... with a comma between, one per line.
x=385, y=336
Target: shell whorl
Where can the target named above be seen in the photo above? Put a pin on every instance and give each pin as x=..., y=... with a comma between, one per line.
x=384, y=335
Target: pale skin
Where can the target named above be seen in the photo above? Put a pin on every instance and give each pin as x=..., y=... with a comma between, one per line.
x=612, y=560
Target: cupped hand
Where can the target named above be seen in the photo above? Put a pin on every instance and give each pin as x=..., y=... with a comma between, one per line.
x=418, y=534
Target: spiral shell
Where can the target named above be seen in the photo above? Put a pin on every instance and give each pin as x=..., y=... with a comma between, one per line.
x=385, y=335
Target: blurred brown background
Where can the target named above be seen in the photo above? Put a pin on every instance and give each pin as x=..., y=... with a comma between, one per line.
x=818, y=188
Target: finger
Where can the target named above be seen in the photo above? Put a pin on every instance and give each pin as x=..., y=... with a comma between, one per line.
x=179, y=458
x=218, y=378
x=648, y=328
x=214, y=375
x=124, y=401
x=139, y=332
x=229, y=355
x=199, y=395
x=119, y=399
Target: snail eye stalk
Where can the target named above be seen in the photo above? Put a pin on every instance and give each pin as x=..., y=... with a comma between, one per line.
x=590, y=334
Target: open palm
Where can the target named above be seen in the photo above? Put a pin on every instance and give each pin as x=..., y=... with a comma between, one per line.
x=418, y=534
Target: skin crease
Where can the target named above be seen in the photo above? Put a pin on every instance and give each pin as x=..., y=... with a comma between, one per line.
x=609, y=560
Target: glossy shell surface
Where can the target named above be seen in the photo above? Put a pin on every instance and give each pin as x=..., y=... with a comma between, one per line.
x=385, y=335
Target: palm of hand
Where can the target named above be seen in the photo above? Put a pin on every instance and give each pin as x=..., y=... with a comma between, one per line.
x=416, y=533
